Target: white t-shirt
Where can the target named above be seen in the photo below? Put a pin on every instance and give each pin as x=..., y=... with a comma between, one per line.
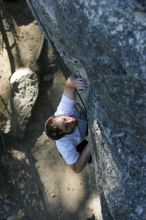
x=67, y=145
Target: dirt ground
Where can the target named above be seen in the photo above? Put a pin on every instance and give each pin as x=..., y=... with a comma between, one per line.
x=44, y=186
x=34, y=180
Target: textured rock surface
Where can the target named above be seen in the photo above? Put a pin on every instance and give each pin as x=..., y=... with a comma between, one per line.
x=24, y=94
x=105, y=41
x=21, y=44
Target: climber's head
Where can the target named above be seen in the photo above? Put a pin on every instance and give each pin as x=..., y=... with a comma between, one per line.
x=57, y=127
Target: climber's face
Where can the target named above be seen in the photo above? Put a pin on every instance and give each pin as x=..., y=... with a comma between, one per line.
x=65, y=123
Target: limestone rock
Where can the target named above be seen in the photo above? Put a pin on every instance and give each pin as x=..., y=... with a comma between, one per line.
x=105, y=42
x=21, y=44
x=24, y=84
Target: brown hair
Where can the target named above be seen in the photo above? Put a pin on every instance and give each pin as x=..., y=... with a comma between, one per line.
x=51, y=130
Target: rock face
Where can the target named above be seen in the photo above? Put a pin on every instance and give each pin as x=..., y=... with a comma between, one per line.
x=24, y=95
x=105, y=42
x=21, y=45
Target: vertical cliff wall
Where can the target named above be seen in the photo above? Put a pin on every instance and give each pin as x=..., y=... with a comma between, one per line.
x=105, y=42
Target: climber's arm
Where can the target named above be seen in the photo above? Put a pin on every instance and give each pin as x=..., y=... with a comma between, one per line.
x=83, y=159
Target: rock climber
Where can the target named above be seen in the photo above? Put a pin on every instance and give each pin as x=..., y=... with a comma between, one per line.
x=68, y=127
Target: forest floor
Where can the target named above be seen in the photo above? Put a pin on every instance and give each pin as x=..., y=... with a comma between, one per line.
x=34, y=179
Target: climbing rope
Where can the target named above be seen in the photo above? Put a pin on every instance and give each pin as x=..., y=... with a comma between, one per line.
x=81, y=99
